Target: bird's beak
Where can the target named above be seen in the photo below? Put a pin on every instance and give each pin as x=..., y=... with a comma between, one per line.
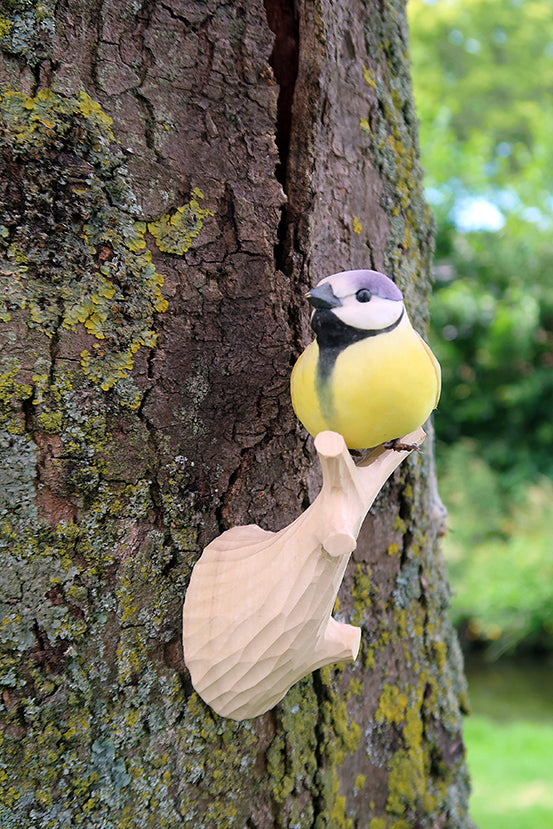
x=323, y=297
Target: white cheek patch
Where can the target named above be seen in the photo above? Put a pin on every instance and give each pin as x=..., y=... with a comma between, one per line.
x=369, y=316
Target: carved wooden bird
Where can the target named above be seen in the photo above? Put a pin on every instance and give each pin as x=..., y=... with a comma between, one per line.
x=368, y=375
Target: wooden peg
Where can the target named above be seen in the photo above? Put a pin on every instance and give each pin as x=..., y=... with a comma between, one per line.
x=257, y=614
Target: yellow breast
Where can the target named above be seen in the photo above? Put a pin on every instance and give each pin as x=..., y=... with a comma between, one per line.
x=380, y=388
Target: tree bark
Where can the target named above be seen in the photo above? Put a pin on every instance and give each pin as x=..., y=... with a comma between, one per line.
x=174, y=176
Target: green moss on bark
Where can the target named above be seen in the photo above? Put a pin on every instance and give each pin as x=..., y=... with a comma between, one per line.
x=73, y=255
x=88, y=542
x=391, y=126
x=83, y=627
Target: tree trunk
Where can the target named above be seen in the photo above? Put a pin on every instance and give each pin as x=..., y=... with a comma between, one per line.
x=174, y=175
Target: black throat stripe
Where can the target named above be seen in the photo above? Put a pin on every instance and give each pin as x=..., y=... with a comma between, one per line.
x=333, y=336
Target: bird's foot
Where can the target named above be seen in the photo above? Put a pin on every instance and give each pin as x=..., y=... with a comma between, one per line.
x=398, y=446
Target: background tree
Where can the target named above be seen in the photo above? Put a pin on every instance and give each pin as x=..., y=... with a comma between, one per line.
x=486, y=120
x=174, y=176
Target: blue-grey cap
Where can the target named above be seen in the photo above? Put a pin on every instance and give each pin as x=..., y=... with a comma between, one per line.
x=346, y=283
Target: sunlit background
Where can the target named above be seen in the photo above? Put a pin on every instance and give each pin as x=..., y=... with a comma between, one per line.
x=483, y=76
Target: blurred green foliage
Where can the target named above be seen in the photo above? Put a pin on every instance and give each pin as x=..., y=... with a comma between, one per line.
x=483, y=77
x=500, y=554
x=492, y=327
x=482, y=73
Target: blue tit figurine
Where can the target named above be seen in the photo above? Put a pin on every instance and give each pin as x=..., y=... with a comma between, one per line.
x=368, y=375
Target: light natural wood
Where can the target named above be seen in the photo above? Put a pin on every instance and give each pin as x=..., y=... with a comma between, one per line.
x=257, y=614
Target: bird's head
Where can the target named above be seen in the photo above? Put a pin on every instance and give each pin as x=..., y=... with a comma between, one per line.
x=363, y=300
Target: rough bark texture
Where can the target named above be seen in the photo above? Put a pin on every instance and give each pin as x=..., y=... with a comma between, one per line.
x=140, y=415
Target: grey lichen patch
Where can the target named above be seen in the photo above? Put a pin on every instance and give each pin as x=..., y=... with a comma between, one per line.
x=94, y=761
x=88, y=606
x=17, y=451
x=72, y=253
x=231, y=757
x=89, y=592
x=196, y=385
x=408, y=585
x=27, y=29
x=17, y=475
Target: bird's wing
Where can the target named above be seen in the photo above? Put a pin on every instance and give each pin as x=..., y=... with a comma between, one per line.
x=437, y=369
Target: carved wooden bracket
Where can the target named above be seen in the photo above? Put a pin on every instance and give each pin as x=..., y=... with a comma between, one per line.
x=257, y=615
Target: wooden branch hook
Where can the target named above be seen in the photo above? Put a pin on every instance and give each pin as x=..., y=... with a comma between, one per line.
x=257, y=615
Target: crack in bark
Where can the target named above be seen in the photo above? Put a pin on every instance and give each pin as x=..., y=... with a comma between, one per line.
x=405, y=513
x=27, y=409
x=248, y=457
x=282, y=18
x=149, y=122
x=372, y=261
x=156, y=498
x=230, y=225
x=143, y=18
x=97, y=21
x=317, y=797
x=284, y=61
x=54, y=349
x=196, y=26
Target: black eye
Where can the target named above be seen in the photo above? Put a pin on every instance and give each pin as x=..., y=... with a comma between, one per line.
x=363, y=295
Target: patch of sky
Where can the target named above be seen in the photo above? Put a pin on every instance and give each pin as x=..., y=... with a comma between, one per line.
x=473, y=213
x=473, y=46
x=506, y=199
x=503, y=149
x=490, y=168
x=536, y=217
x=456, y=37
x=435, y=195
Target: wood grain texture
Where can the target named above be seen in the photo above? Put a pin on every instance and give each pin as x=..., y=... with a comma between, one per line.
x=257, y=615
